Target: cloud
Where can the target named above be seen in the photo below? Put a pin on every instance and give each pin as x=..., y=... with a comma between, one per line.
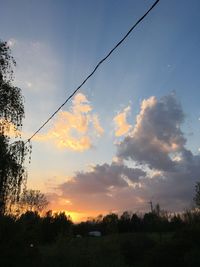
x=81, y=104
x=97, y=125
x=101, y=179
x=12, y=42
x=158, y=142
x=117, y=187
x=174, y=189
x=156, y=134
x=96, y=190
x=166, y=170
x=74, y=129
x=120, y=120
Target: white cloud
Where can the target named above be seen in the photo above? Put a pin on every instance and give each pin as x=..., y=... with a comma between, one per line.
x=12, y=42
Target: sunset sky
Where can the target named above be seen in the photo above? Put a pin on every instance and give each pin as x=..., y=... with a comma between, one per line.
x=131, y=134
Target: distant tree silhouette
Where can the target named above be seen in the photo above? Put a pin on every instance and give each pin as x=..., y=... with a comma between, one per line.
x=110, y=223
x=157, y=210
x=12, y=153
x=32, y=200
x=176, y=222
x=125, y=222
x=151, y=221
x=197, y=195
x=30, y=223
x=62, y=223
x=55, y=225
x=136, y=223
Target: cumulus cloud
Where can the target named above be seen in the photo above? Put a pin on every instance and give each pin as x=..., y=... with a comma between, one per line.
x=167, y=170
x=158, y=142
x=156, y=134
x=72, y=129
x=174, y=189
x=120, y=120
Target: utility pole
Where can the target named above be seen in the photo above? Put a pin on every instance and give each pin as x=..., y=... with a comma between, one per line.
x=151, y=205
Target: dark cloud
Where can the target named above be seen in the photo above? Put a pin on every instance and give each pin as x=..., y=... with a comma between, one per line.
x=101, y=179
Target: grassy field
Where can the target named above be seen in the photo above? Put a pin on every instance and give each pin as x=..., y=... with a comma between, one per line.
x=119, y=250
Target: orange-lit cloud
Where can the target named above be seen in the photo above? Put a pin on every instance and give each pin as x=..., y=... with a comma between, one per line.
x=97, y=125
x=120, y=120
x=74, y=129
x=94, y=192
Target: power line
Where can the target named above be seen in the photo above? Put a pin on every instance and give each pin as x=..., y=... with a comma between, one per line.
x=94, y=70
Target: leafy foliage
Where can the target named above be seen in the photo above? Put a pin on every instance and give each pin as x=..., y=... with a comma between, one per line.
x=12, y=172
x=12, y=154
x=7, y=62
x=11, y=106
x=11, y=100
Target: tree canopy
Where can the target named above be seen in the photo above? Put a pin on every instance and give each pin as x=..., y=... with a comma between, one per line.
x=12, y=152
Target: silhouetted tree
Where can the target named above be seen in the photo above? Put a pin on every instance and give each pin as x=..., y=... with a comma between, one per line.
x=136, y=223
x=197, y=195
x=125, y=222
x=151, y=221
x=30, y=222
x=157, y=209
x=176, y=222
x=110, y=223
x=12, y=154
x=32, y=200
x=54, y=225
x=62, y=222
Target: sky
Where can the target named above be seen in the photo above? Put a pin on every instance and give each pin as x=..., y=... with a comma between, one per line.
x=131, y=134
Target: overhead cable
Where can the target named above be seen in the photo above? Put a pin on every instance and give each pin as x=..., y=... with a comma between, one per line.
x=94, y=70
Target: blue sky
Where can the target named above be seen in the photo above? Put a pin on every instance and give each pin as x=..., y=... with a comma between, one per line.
x=57, y=43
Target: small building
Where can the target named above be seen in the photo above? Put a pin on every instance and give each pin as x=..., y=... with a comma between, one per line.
x=95, y=233
x=78, y=236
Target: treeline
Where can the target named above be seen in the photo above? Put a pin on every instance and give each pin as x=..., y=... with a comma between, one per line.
x=127, y=222
x=154, y=239
x=31, y=228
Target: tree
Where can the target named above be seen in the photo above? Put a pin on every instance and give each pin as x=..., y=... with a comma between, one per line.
x=125, y=222
x=110, y=223
x=197, y=195
x=32, y=200
x=12, y=153
x=136, y=223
